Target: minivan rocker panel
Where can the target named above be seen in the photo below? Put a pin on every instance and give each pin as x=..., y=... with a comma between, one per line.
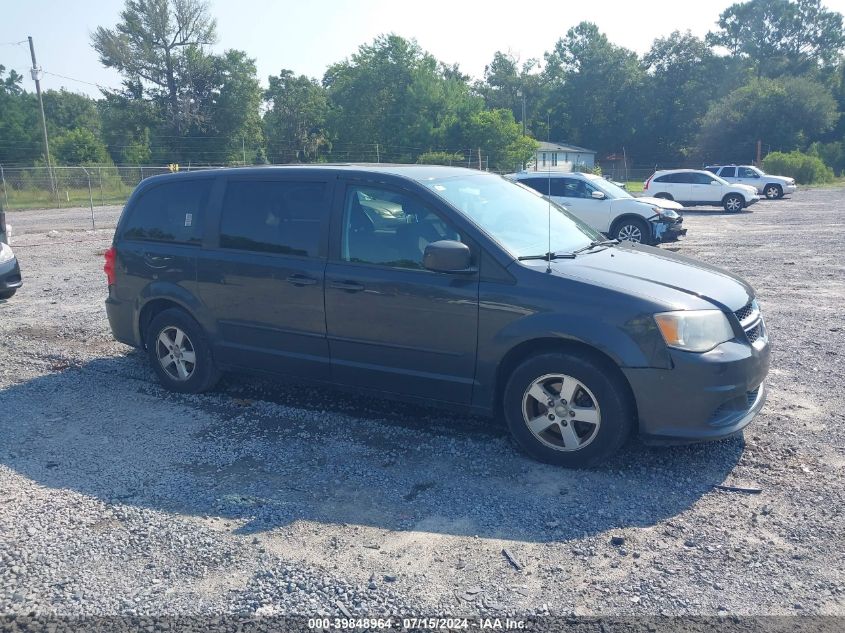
x=567, y=348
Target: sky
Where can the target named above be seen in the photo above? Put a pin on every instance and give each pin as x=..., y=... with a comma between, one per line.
x=306, y=36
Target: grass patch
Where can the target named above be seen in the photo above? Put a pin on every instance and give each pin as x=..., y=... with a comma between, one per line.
x=24, y=199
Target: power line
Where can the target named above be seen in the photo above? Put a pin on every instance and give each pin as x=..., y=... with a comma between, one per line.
x=81, y=81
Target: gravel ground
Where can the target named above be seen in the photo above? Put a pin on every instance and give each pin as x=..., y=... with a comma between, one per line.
x=117, y=497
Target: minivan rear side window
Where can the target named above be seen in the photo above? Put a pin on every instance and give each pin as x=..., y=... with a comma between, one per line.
x=273, y=216
x=170, y=212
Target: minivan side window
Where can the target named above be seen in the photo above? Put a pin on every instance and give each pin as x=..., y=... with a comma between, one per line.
x=273, y=216
x=389, y=228
x=170, y=212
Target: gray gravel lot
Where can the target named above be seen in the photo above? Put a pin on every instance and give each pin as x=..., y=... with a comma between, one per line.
x=117, y=497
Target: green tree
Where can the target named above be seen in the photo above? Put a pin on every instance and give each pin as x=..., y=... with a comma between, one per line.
x=295, y=121
x=508, y=85
x=786, y=114
x=499, y=137
x=781, y=37
x=20, y=139
x=78, y=146
x=596, y=92
x=393, y=95
x=684, y=76
x=151, y=46
x=69, y=111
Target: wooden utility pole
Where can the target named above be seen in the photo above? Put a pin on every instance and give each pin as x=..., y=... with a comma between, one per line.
x=759, y=152
x=36, y=77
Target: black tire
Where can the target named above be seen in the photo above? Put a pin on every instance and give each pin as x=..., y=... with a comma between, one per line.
x=733, y=203
x=773, y=191
x=627, y=229
x=612, y=401
x=8, y=294
x=663, y=195
x=202, y=374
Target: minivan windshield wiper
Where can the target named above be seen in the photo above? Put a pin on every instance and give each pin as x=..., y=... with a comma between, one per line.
x=547, y=256
x=572, y=255
x=593, y=245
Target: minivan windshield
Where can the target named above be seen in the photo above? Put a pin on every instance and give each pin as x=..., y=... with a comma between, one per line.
x=517, y=217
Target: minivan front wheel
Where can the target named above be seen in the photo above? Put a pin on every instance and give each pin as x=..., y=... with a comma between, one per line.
x=179, y=353
x=567, y=410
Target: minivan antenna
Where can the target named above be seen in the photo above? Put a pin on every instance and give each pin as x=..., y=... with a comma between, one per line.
x=549, y=200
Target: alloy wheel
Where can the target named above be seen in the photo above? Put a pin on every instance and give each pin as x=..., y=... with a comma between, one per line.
x=629, y=232
x=176, y=353
x=772, y=192
x=561, y=412
x=733, y=204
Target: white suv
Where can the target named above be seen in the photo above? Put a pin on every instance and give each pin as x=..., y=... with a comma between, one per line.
x=773, y=187
x=692, y=187
x=607, y=207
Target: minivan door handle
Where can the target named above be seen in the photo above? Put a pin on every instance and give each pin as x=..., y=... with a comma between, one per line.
x=348, y=286
x=301, y=280
x=157, y=261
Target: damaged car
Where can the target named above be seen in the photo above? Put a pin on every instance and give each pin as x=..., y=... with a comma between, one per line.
x=607, y=207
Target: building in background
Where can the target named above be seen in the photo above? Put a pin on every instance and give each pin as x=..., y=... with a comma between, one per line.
x=561, y=157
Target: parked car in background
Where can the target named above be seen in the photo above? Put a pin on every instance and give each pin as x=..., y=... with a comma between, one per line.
x=693, y=187
x=10, y=272
x=472, y=293
x=773, y=187
x=607, y=207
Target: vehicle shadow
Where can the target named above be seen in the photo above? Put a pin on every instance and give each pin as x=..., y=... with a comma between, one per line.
x=264, y=455
x=715, y=211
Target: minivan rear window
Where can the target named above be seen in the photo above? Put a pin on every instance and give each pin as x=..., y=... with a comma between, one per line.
x=170, y=212
x=273, y=216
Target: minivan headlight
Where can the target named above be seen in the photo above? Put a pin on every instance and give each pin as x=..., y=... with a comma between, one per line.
x=694, y=330
x=6, y=254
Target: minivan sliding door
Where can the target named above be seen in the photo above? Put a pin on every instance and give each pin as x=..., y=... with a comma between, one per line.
x=261, y=275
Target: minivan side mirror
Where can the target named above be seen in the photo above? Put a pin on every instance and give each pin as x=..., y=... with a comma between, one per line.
x=598, y=195
x=448, y=256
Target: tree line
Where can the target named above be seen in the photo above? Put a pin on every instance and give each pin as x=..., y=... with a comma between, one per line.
x=771, y=71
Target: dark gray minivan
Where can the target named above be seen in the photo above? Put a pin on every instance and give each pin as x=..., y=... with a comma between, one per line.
x=436, y=284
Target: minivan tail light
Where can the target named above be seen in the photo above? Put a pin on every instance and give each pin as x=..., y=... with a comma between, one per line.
x=645, y=186
x=108, y=268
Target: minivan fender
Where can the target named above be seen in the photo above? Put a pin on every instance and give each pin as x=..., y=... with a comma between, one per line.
x=636, y=343
x=160, y=295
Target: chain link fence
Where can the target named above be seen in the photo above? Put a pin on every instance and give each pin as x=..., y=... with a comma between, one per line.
x=72, y=187
x=64, y=187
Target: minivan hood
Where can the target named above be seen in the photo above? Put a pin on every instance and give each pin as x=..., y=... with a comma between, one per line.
x=673, y=280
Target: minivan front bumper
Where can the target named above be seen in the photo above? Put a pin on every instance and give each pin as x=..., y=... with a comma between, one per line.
x=704, y=396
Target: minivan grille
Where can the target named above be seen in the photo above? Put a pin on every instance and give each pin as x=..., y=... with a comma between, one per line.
x=751, y=322
x=744, y=313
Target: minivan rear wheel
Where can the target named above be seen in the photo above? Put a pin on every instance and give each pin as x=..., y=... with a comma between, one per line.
x=567, y=410
x=179, y=353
